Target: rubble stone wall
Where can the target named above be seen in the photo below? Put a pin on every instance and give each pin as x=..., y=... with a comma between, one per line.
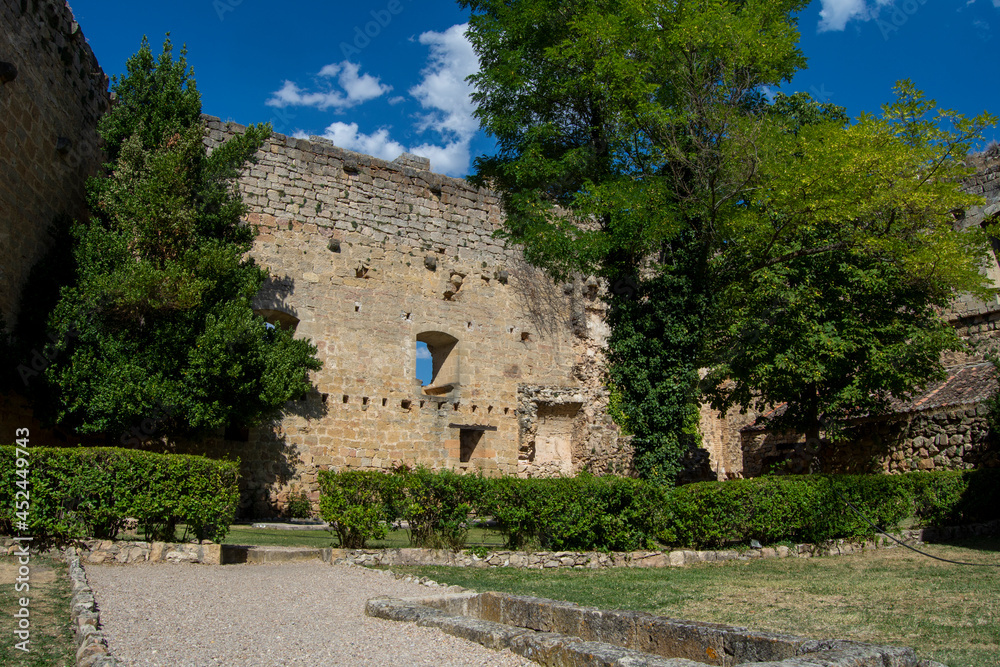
x=952, y=438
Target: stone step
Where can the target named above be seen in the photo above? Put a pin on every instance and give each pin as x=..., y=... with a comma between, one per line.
x=240, y=553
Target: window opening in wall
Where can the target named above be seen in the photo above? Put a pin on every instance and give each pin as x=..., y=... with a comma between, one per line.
x=280, y=318
x=440, y=347
x=384, y=401
x=345, y=398
x=425, y=371
x=468, y=440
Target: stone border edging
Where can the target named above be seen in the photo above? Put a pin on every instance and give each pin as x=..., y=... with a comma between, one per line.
x=678, y=558
x=562, y=633
x=92, y=646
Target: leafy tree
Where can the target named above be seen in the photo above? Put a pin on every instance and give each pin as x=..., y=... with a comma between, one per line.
x=634, y=142
x=155, y=319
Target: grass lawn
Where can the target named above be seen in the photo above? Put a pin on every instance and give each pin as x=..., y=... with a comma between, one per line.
x=949, y=613
x=322, y=538
x=51, y=635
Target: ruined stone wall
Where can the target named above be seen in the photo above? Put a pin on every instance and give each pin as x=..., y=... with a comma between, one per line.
x=367, y=257
x=52, y=92
x=950, y=438
x=721, y=436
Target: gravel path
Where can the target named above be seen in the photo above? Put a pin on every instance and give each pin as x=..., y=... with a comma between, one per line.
x=306, y=613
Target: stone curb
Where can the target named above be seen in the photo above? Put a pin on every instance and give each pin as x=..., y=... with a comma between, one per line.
x=127, y=552
x=561, y=633
x=92, y=646
x=678, y=558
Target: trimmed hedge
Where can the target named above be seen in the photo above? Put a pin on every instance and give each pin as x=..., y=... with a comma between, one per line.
x=786, y=508
x=91, y=491
x=358, y=504
x=574, y=513
x=621, y=514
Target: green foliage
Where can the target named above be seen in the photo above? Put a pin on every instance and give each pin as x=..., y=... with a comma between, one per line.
x=299, y=506
x=634, y=142
x=437, y=506
x=359, y=504
x=153, y=312
x=993, y=402
x=90, y=492
x=954, y=498
x=586, y=512
x=812, y=508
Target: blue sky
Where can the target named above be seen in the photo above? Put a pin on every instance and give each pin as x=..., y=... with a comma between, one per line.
x=383, y=76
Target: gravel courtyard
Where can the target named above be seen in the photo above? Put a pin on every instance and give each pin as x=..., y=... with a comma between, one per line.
x=305, y=613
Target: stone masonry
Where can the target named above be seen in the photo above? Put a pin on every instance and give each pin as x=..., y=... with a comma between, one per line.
x=369, y=257
x=52, y=92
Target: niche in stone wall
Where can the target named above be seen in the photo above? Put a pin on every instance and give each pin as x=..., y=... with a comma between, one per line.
x=444, y=361
x=554, y=435
x=468, y=441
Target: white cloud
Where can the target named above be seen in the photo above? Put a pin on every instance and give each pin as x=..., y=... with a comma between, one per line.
x=423, y=352
x=836, y=13
x=452, y=158
x=442, y=92
x=358, y=88
x=444, y=89
x=378, y=143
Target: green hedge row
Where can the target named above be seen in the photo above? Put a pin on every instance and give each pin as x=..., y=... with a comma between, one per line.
x=90, y=492
x=621, y=514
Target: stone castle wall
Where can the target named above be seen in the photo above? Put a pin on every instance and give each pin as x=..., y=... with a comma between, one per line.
x=52, y=92
x=366, y=258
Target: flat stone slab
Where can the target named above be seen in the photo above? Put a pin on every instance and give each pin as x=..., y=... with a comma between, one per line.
x=290, y=526
x=564, y=634
x=239, y=553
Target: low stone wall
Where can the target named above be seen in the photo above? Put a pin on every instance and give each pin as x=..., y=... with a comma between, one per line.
x=111, y=551
x=596, y=560
x=92, y=645
x=562, y=633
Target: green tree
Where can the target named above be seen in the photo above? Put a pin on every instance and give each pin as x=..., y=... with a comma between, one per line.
x=155, y=320
x=634, y=142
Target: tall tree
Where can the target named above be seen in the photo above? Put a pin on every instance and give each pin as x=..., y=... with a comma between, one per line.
x=635, y=142
x=156, y=319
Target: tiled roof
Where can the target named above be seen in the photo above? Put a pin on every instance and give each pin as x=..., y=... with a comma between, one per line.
x=964, y=385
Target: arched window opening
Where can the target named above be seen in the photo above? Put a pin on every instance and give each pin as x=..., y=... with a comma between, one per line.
x=278, y=318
